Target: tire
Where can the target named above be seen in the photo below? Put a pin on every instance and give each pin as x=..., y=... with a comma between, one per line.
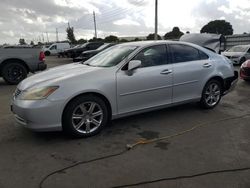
x=14, y=72
x=211, y=94
x=47, y=53
x=80, y=120
x=242, y=60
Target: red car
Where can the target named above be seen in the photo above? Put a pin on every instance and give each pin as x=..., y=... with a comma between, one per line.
x=245, y=70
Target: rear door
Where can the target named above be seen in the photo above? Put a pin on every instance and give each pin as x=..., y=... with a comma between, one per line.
x=191, y=68
x=148, y=86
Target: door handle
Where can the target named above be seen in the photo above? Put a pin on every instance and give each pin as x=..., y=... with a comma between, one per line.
x=206, y=65
x=166, y=71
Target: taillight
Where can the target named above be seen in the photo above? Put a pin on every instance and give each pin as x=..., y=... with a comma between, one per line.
x=42, y=56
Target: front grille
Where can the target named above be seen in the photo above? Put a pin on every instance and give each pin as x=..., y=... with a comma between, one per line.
x=17, y=93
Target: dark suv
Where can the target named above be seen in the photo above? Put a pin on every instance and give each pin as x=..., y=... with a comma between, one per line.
x=75, y=52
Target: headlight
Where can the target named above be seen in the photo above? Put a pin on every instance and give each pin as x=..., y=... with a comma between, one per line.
x=38, y=93
x=244, y=64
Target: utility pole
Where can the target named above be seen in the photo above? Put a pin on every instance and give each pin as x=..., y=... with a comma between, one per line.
x=95, y=24
x=47, y=36
x=57, y=35
x=156, y=20
x=43, y=37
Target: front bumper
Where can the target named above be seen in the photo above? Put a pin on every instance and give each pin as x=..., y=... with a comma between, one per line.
x=39, y=115
x=245, y=73
x=230, y=83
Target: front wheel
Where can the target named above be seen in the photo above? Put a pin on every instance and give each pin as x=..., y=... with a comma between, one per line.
x=85, y=116
x=211, y=94
x=47, y=53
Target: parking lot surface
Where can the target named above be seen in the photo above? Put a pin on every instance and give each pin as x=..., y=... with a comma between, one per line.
x=220, y=144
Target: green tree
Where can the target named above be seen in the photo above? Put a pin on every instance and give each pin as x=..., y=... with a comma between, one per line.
x=70, y=35
x=151, y=36
x=31, y=43
x=22, y=41
x=96, y=39
x=174, y=34
x=137, y=39
x=218, y=27
x=81, y=41
x=111, y=38
x=123, y=40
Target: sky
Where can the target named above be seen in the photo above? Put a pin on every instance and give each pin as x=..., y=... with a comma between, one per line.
x=38, y=19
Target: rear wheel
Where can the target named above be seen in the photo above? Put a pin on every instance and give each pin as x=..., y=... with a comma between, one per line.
x=47, y=53
x=14, y=72
x=211, y=94
x=85, y=116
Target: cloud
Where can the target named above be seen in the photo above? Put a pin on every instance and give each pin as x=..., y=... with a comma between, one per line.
x=234, y=11
x=32, y=19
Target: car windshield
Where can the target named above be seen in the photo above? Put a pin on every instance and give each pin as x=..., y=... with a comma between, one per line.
x=103, y=46
x=83, y=45
x=76, y=46
x=111, y=56
x=238, y=49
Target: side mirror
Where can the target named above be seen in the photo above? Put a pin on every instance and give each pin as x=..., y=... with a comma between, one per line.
x=134, y=64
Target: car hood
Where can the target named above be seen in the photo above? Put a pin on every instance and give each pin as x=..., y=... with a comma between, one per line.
x=238, y=54
x=55, y=75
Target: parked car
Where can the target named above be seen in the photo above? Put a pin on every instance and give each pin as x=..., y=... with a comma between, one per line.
x=64, y=53
x=213, y=42
x=75, y=52
x=126, y=79
x=238, y=54
x=245, y=71
x=90, y=53
x=55, y=48
x=17, y=62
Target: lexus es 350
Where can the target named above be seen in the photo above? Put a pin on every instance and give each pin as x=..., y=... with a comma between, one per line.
x=126, y=79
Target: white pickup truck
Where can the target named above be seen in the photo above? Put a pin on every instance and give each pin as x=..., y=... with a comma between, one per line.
x=16, y=62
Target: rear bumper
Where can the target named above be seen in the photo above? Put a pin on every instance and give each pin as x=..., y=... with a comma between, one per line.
x=41, y=66
x=230, y=83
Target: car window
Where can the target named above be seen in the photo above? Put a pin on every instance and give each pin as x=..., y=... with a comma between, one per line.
x=92, y=46
x=184, y=53
x=152, y=56
x=203, y=55
x=53, y=47
x=248, y=51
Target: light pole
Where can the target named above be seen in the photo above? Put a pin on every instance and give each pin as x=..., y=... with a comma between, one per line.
x=156, y=20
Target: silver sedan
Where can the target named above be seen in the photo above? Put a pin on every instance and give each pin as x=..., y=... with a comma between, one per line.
x=126, y=79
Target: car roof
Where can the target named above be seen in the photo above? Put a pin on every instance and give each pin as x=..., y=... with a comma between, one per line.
x=142, y=44
x=153, y=42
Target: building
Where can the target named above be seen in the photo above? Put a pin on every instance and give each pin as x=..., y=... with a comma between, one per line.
x=237, y=39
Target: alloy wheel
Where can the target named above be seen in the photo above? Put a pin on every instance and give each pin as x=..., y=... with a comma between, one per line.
x=87, y=117
x=212, y=94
